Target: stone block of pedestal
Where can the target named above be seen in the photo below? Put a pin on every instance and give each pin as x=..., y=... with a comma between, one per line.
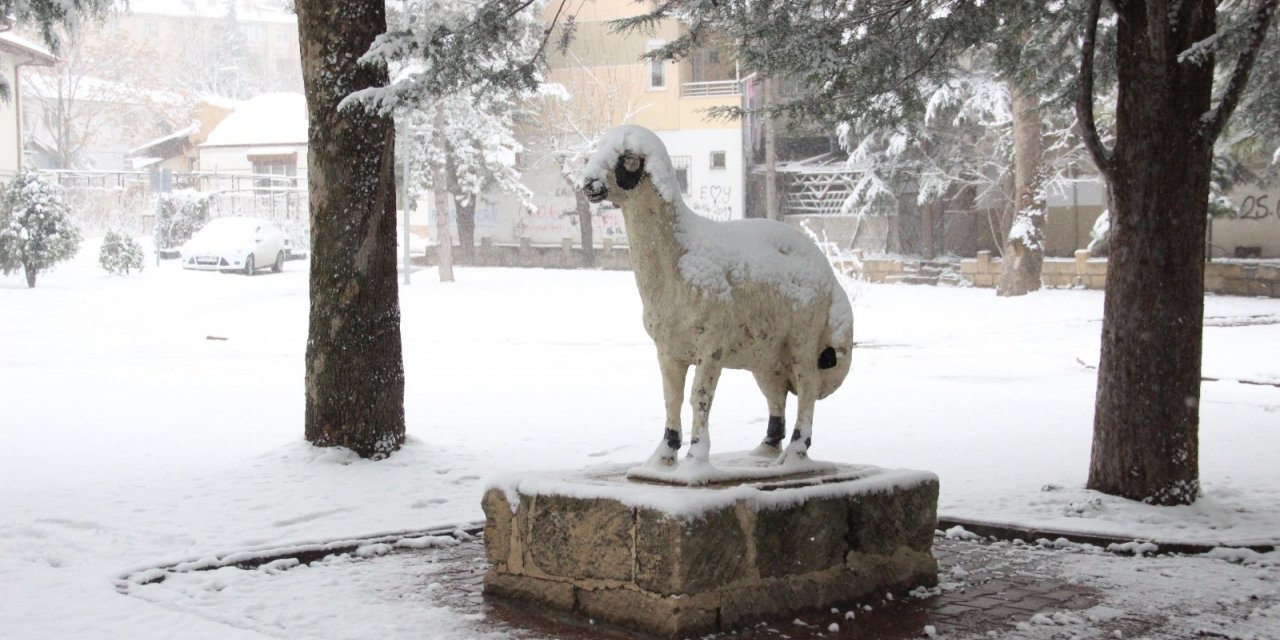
x=680, y=560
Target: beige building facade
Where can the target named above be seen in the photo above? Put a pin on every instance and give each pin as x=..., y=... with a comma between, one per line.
x=15, y=54
x=606, y=83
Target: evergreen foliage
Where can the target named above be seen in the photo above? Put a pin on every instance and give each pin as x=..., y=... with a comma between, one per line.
x=120, y=253
x=180, y=214
x=458, y=47
x=47, y=16
x=460, y=103
x=36, y=231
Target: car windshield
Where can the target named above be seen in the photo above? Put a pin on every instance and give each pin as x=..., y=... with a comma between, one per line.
x=229, y=228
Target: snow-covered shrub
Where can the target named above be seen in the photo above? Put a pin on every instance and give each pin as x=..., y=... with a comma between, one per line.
x=36, y=231
x=1100, y=243
x=120, y=253
x=179, y=214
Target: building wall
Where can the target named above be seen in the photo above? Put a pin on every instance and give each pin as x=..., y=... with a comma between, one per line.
x=608, y=85
x=1257, y=228
x=236, y=159
x=10, y=146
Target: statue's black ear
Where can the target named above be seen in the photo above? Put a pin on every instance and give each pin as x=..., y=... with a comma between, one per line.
x=629, y=171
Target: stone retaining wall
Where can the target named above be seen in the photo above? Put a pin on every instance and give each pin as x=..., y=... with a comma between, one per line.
x=1236, y=277
x=565, y=255
x=1233, y=277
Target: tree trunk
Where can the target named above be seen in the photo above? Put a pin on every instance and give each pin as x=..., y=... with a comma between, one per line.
x=1146, y=419
x=583, y=207
x=354, y=370
x=927, y=215
x=31, y=275
x=440, y=182
x=464, y=207
x=771, y=207
x=1023, y=253
x=466, y=217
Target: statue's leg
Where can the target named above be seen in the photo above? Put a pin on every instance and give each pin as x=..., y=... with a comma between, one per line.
x=808, y=385
x=673, y=376
x=704, y=391
x=774, y=387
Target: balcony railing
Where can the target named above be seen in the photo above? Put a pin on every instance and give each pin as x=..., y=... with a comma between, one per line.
x=712, y=88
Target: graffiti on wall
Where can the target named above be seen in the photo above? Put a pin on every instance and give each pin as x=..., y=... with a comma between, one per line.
x=713, y=201
x=552, y=223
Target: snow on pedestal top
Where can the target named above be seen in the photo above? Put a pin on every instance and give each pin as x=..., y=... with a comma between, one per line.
x=610, y=482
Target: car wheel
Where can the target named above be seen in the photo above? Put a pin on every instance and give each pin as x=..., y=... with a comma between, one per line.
x=279, y=265
x=248, y=265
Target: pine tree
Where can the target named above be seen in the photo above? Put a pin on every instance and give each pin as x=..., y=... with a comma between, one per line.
x=460, y=103
x=36, y=231
x=120, y=253
x=874, y=65
x=1159, y=169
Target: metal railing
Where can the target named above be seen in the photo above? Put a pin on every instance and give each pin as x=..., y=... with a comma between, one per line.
x=126, y=200
x=711, y=88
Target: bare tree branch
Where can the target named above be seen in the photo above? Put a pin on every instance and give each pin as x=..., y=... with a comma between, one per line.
x=1217, y=117
x=1102, y=157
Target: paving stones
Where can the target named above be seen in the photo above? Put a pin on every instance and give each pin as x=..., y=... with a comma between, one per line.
x=1002, y=586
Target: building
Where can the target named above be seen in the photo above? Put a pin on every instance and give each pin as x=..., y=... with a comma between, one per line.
x=15, y=53
x=608, y=84
x=264, y=136
x=190, y=33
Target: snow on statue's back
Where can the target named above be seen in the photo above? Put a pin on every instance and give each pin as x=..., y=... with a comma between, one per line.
x=745, y=294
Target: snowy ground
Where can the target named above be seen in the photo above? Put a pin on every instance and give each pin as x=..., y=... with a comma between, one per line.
x=129, y=438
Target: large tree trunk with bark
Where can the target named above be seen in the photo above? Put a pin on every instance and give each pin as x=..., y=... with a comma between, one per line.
x=1023, y=252
x=1147, y=418
x=354, y=370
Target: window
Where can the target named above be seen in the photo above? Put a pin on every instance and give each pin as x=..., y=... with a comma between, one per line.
x=255, y=33
x=717, y=160
x=681, y=166
x=657, y=68
x=278, y=167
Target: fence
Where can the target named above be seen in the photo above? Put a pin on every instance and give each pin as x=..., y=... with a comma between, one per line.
x=126, y=200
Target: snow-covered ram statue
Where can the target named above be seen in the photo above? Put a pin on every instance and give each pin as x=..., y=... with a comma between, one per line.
x=743, y=294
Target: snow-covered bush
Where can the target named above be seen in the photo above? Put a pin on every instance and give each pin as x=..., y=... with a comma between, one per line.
x=1100, y=235
x=36, y=231
x=179, y=214
x=120, y=253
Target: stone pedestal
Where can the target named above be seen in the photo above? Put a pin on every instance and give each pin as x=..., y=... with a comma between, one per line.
x=675, y=561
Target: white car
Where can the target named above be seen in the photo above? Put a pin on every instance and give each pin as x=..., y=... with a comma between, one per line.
x=235, y=244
